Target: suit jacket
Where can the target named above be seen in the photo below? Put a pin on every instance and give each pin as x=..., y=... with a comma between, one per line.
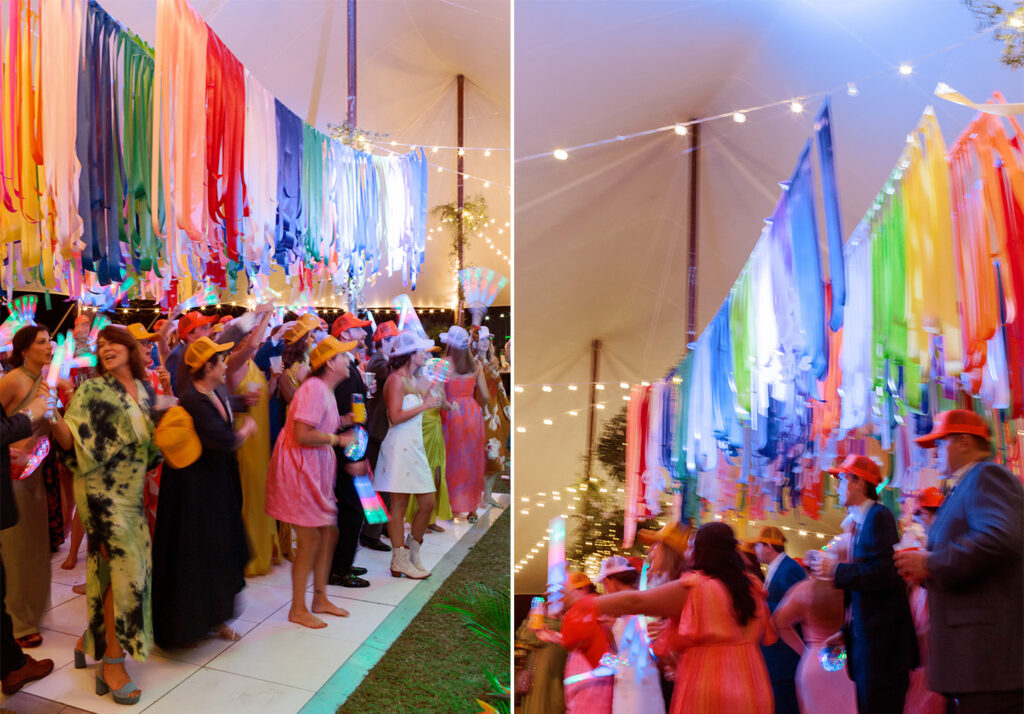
x=780, y=658
x=377, y=413
x=14, y=428
x=976, y=585
x=881, y=645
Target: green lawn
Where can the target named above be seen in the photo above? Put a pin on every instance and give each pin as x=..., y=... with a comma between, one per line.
x=437, y=664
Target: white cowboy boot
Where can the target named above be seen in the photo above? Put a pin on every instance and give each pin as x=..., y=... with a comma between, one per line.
x=401, y=565
x=414, y=552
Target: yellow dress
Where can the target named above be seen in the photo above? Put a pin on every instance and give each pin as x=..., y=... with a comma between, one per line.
x=253, y=464
x=433, y=444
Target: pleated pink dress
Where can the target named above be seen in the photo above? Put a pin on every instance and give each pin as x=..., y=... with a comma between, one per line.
x=464, y=445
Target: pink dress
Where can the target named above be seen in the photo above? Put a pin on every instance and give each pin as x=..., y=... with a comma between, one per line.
x=816, y=689
x=721, y=668
x=920, y=699
x=464, y=445
x=590, y=696
x=300, y=484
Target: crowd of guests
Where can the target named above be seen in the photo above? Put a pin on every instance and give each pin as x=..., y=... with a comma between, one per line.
x=927, y=621
x=207, y=450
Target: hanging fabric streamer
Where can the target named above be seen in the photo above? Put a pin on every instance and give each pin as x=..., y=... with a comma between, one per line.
x=289, y=185
x=833, y=223
x=803, y=230
x=855, y=352
x=260, y=168
x=225, y=141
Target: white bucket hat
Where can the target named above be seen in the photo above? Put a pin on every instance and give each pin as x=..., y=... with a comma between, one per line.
x=456, y=337
x=408, y=342
x=614, y=565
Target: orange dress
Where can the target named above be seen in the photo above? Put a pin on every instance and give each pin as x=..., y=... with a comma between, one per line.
x=720, y=669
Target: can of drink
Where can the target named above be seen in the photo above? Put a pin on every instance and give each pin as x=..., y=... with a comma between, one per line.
x=358, y=409
x=536, y=621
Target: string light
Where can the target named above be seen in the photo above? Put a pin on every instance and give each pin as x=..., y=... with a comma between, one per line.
x=796, y=107
x=906, y=69
x=681, y=129
x=560, y=154
x=851, y=89
x=739, y=117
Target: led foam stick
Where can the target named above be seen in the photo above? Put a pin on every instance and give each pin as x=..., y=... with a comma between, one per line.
x=556, y=563
x=205, y=296
x=356, y=448
x=407, y=317
x=480, y=289
x=437, y=370
x=7, y=330
x=94, y=333
x=23, y=310
x=373, y=507
x=38, y=454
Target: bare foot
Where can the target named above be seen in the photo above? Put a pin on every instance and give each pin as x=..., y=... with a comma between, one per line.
x=80, y=588
x=116, y=676
x=322, y=604
x=226, y=633
x=306, y=619
x=70, y=562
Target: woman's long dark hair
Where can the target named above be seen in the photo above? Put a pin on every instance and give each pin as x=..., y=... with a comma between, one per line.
x=461, y=359
x=294, y=352
x=23, y=339
x=120, y=336
x=714, y=553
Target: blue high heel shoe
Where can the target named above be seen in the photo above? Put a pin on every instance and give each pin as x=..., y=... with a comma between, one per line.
x=121, y=696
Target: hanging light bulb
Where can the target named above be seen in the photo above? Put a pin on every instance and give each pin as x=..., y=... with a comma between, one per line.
x=851, y=89
x=561, y=154
x=796, y=107
x=906, y=69
x=681, y=129
x=739, y=117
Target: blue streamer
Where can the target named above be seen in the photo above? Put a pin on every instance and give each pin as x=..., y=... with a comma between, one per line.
x=290, y=219
x=833, y=224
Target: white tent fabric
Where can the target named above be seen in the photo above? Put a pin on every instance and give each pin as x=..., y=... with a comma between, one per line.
x=408, y=55
x=601, y=239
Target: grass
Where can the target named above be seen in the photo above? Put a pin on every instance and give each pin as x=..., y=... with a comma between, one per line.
x=437, y=664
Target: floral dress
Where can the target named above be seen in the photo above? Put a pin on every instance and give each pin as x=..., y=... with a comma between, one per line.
x=114, y=448
x=497, y=422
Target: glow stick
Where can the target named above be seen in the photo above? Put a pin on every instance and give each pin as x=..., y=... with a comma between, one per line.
x=38, y=454
x=94, y=333
x=356, y=449
x=556, y=563
x=481, y=288
x=23, y=310
x=407, y=317
x=205, y=296
x=373, y=506
x=437, y=369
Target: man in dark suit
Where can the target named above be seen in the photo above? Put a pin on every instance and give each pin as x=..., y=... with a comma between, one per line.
x=973, y=572
x=783, y=573
x=377, y=420
x=16, y=668
x=881, y=645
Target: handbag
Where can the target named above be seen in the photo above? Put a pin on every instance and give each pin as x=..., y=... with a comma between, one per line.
x=177, y=439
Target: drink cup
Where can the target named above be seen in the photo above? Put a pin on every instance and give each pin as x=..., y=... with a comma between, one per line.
x=358, y=409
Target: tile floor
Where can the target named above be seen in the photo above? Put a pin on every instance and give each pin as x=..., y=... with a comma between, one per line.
x=276, y=666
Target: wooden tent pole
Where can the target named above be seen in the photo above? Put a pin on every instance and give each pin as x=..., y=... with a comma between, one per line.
x=351, y=114
x=595, y=361
x=691, y=288
x=461, y=109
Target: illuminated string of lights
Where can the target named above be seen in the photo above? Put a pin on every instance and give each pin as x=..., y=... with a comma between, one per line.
x=487, y=183
x=486, y=151
x=796, y=104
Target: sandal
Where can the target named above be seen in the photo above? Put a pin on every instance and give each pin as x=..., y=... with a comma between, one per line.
x=29, y=641
x=122, y=695
x=435, y=528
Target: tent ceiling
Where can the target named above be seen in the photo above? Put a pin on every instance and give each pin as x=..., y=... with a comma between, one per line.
x=408, y=55
x=601, y=238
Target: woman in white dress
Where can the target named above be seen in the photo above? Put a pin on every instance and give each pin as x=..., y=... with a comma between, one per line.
x=402, y=468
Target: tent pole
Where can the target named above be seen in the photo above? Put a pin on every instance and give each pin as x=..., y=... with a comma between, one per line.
x=691, y=284
x=461, y=84
x=351, y=115
x=595, y=361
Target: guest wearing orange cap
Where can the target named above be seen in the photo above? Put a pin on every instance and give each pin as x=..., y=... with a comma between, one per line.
x=783, y=573
x=881, y=644
x=348, y=395
x=191, y=326
x=920, y=699
x=200, y=547
x=973, y=572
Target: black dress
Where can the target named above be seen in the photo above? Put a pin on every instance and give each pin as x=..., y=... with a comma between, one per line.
x=199, y=546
